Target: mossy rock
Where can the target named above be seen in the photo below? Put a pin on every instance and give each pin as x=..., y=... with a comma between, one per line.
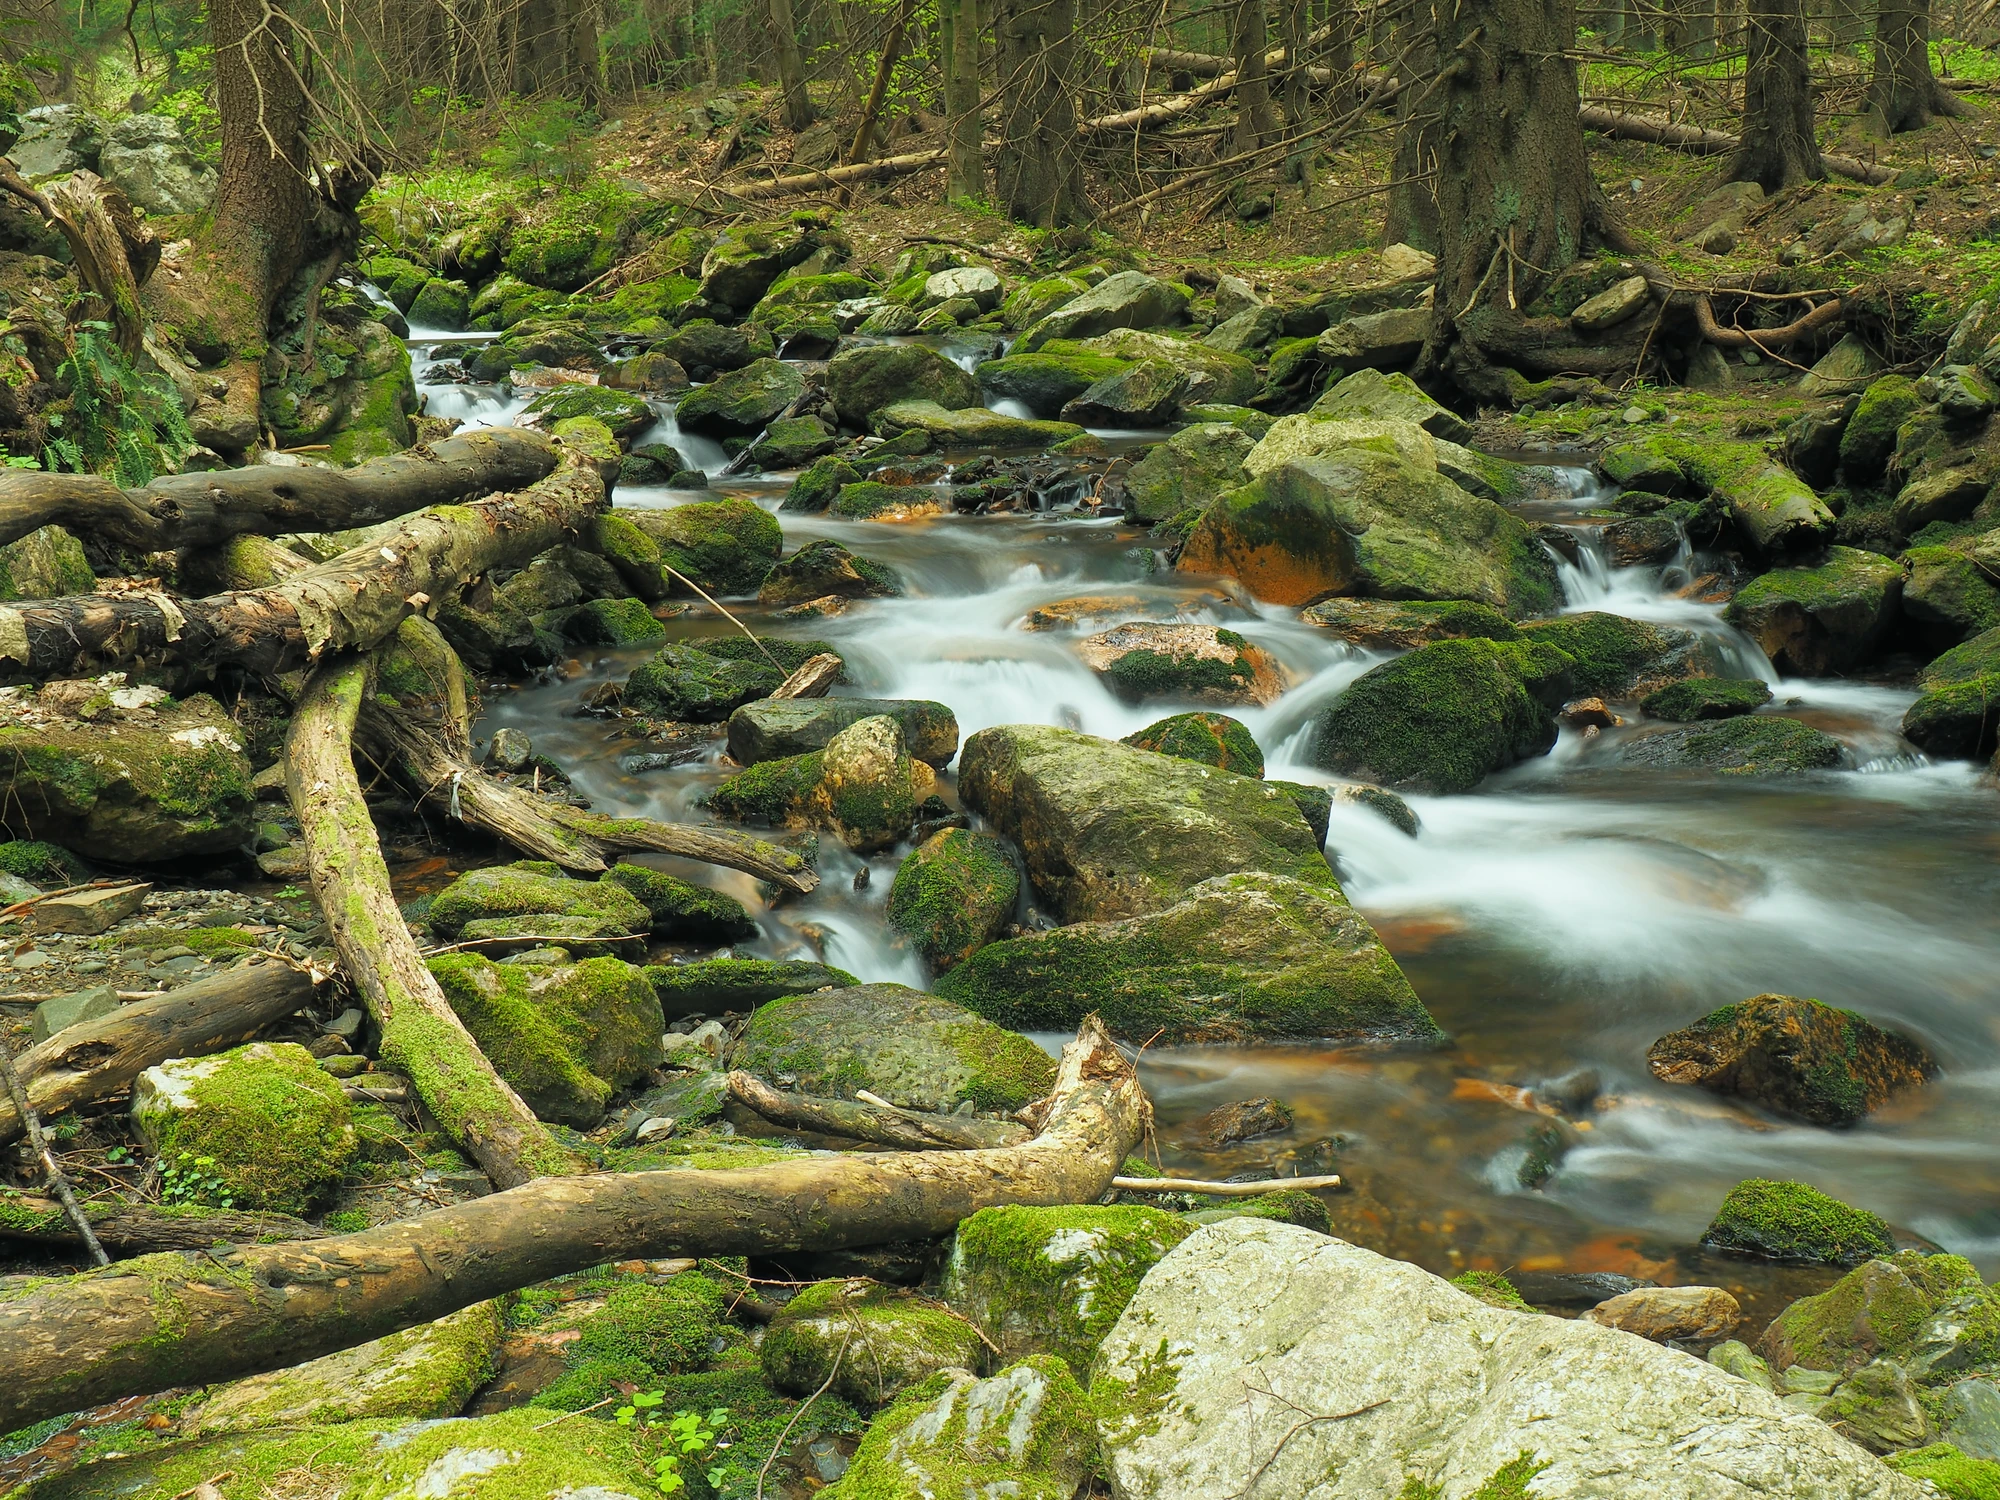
x=721, y=985
x=747, y=259
x=1869, y=438
x=1378, y=396
x=1947, y=590
x=778, y=727
x=1954, y=1473
x=683, y=910
x=1756, y=745
x=1032, y=301
x=742, y=402
x=1186, y=472
x=1492, y=1288
x=871, y=500
x=863, y=380
x=1242, y=957
x=813, y=491
x=776, y=793
x=565, y=1037
x=1447, y=715
x=1883, y=1307
x=954, y=893
x=820, y=290
x=625, y=414
x=683, y=683
x=45, y=864
x=1774, y=510
x=1960, y=708
x=1285, y=1206
x=1054, y=1280
x=1026, y=1433
x=891, y=1341
x=912, y=1049
x=1142, y=660
x=870, y=785
x=790, y=442
x=1619, y=657
x=1697, y=698
x=1206, y=739
x=1823, y=619
x=1790, y=1221
x=667, y=1328
x=970, y=427
x=45, y=564
x=263, y=1124
x=441, y=304
x=725, y=546
x=532, y=888
x=703, y=345
x=570, y=240
x=613, y=622
x=1046, y=383
x=1405, y=624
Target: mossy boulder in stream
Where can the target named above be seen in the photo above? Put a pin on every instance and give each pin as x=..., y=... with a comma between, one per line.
x=683, y=682
x=1054, y=1280
x=681, y=909
x=862, y=1340
x=1027, y=1433
x=1798, y=1057
x=1960, y=708
x=1814, y=621
x=1404, y=625
x=865, y=786
x=1359, y=521
x=1109, y=831
x=533, y=888
x=1242, y=957
x=1698, y=698
x=1187, y=471
x=1773, y=509
x=625, y=414
x=863, y=380
x=1447, y=715
x=1793, y=1222
x=725, y=546
x=1206, y=739
x=1950, y=590
x=777, y=727
x=915, y=1050
x=258, y=1127
x=718, y=985
x=972, y=427
x=566, y=1037
x=1757, y=745
x=1142, y=660
x=954, y=893
x=1045, y=383
x=742, y=402
x=1883, y=1307
x=1619, y=657
x=1870, y=435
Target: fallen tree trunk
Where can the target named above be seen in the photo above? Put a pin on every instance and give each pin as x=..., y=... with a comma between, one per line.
x=144, y=1228
x=1214, y=64
x=1709, y=142
x=205, y=510
x=583, y=842
x=422, y=1037
x=1165, y=111
x=882, y=1125
x=96, y=1059
x=193, y=1319
x=838, y=177
x=349, y=602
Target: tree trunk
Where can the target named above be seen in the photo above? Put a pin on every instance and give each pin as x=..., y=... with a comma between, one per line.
x=965, y=167
x=96, y=1059
x=798, y=110
x=1412, y=217
x=1294, y=92
x=1847, y=23
x=194, y=1319
x=1904, y=94
x=1038, y=176
x=1253, y=84
x=422, y=1037
x=892, y=48
x=1780, y=149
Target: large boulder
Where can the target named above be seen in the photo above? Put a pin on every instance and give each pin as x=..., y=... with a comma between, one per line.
x=1949, y=590
x=863, y=1341
x=777, y=727
x=1363, y=522
x=1960, y=707
x=742, y=402
x=1187, y=471
x=915, y=1050
x=124, y=774
x=1884, y=1307
x=1141, y=660
x=1048, y=381
x=682, y=910
x=1435, y=1392
x=1213, y=375
x=1447, y=715
x=1819, y=620
x=257, y=1127
x=863, y=380
x=1619, y=657
x=865, y=786
x=1242, y=957
x=1798, y=1057
x=953, y=894
x=970, y=426
x=566, y=1037
x=825, y=569
x=1129, y=299
x=1107, y=831
x=703, y=347
x=45, y=564
x=56, y=138
x=1369, y=394
x=745, y=260
x=724, y=546
x=1146, y=393
x=1375, y=341
x=146, y=159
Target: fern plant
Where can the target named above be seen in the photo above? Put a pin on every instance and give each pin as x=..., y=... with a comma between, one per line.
x=120, y=419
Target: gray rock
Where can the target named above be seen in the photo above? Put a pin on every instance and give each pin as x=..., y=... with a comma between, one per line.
x=57, y=138
x=1611, y=306
x=977, y=283
x=1848, y=366
x=1130, y=299
x=510, y=750
x=65, y=1011
x=1145, y=394
x=146, y=158
x=1970, y=1416
x=1375, y=341
x=1187, y=471
x=776, y=727
x=1428, y=1381
x=1251, y=331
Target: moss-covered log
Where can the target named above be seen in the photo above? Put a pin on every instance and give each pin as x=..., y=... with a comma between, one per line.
x=98, y=1058
x=349, y=602
x=205, y=510
x=422, y=1037
x=584, y=842
x=144, y=1228
x=192, y=1319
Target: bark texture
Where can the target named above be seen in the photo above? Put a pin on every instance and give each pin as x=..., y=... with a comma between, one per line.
x=1037, y=174
x=143, y=1228
x=1780, y=148
x=882, y=1125
x=797, y=107
x=1904, y=93
x=965, y=165
x=178, y=1320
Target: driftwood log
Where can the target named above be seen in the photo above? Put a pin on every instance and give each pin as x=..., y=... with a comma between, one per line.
x=583, y=842
x=192, y=1319
x=205, y=510
x=96, y=1059
x=422, y=1037
x=143, y=1228
x=351, y=602
x=881, y=1125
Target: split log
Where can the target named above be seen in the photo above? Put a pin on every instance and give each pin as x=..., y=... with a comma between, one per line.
x=882, y=1125
x=193, y=1319
x=834, y=178
x=1709, y=142
x=95, y=1059
x=144, y=1228
x=349, y=602
x=422, y=1037
x=583, y=842
x=205, y=510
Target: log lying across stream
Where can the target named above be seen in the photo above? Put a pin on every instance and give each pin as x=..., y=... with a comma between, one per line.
x=194, y=1318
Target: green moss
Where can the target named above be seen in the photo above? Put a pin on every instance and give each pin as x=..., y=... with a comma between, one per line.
x=1870, y=435
x=956, y=891
x=624, y=414
x=774, y=793
x=862, y=1341
x=867, y=499
x=1491, y=1288
x=576, y=236
x=814, y=490
x=1706, y=698
x=209, y=941
x=1612, y=652
x=1792, y=1221
x=614, y=622
x=725, y=546
x=1954, y=1473
x=345, y=1221
x=682, y=909
x=1753, y=745
x=1881, y=1308
x=688, y=683
x=667, y=1327
x=1206, y=739
x=1286, y=1206
x=533, y=888
x=737, y=984
x=1144, y=673
x=45, y=864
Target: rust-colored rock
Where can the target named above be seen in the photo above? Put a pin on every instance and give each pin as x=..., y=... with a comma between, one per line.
x=1141, y=660
x=1793, y=1056
x=1693, y=1314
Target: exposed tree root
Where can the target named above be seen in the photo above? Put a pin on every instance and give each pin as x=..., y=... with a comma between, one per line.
x=1710, y=142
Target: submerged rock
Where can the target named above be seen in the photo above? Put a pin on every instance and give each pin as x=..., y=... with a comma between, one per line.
x=1430, y=1385
x=954, y=893
x=1798, y=1057
x=1142, y=660
x=1793, y=1222
x=863, y=1341
x=1824, y=619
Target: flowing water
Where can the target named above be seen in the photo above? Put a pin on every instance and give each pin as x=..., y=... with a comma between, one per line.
x=1559, y=919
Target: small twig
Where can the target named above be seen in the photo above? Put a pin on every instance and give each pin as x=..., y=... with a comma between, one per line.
x=58, y=1182
x=725, y=614
x=1307, y=1419
x=580, y=1411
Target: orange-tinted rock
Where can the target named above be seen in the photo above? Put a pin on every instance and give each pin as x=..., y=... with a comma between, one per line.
x=1697, y=1314
x=1192, y=663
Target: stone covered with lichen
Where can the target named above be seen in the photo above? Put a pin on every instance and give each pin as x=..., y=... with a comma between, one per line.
x=260, y=1126
x=1204, y=738
x=865, y=787
x=123, y=773
x=721, y=546
x=1818, y=620
x=535, y=888
x=1054, y=1280
x=864, y=1341
x=1929, y=1310
x=912, y=1049
x=954, y=893
x=566, y=1037
x=1026, y=1433
x=45, y=564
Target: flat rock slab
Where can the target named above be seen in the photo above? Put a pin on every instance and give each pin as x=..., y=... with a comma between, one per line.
x=90, y=912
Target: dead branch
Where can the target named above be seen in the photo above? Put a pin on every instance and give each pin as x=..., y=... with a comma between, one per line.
x=143, y=1228
x=835, y=178
x=883, y=1125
